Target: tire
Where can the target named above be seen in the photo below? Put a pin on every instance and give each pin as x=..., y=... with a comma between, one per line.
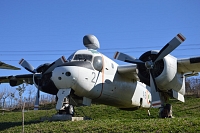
x=70, y=110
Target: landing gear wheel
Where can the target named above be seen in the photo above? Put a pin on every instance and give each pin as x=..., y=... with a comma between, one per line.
x=166, y=112
x=70, y=110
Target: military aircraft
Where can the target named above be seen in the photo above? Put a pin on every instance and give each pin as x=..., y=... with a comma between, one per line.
x=89, y=76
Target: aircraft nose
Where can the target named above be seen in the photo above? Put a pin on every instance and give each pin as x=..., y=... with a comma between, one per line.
x=64, y=77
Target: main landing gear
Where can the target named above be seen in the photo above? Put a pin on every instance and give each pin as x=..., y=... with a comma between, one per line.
x=166, y=111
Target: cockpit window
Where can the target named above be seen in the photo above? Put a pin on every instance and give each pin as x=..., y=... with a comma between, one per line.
x=70, y=57
x=98, y=63
x=83, y=57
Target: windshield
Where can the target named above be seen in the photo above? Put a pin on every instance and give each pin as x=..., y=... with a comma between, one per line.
x=83, y=57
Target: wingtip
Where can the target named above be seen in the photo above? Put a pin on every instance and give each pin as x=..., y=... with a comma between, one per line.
x=18, y=68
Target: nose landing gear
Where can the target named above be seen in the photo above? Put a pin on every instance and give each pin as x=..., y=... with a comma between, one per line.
x=66, y=109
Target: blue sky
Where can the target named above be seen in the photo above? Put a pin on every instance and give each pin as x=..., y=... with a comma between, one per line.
x=42, y=31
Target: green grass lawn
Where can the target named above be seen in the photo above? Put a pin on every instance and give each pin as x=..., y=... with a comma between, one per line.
x=108, y=119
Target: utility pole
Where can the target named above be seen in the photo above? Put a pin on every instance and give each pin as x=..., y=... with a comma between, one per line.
x=21, y=91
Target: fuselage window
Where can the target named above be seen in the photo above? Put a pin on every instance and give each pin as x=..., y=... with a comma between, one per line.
x=83, y=57
x=112, y=65
x=97, y=63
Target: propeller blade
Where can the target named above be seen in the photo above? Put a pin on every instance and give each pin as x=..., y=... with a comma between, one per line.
x=152, y=81
x=126, y=58
x=36, y=106
x=56, y=63
x=169, y=47
x=156, y=102
x=27, y=66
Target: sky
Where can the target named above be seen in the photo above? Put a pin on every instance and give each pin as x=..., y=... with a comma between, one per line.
x=43, y=31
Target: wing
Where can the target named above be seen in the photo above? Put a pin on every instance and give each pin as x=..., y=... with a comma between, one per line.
x=15, y=80
x=128, y=71
x=189, y=66
x=6, y=66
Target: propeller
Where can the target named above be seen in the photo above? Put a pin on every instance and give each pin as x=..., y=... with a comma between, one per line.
x=50, y=68
x=168, y=48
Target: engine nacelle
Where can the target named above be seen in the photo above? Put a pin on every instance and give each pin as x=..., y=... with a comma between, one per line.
x=44, y=83
x=165, y=72
x=13, y=81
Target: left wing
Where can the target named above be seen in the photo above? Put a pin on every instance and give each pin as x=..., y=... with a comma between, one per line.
x=128, y=71
x=15, y=80
x=6, y=66
x=189, y=66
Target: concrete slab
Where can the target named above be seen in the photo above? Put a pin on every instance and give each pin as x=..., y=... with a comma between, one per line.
x=63, y=117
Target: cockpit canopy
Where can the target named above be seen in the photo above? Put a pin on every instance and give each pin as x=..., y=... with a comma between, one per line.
x=94, y=59
x=83, y=57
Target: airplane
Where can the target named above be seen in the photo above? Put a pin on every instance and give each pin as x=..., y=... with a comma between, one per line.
x=88, y=76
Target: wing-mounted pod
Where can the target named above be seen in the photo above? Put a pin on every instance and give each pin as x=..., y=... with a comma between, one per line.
x=13, y=81
x=91, y=42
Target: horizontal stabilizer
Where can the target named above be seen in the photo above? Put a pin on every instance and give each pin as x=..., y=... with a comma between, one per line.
x=7, y=66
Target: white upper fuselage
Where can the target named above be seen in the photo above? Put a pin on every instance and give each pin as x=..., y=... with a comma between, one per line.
x=91, y=74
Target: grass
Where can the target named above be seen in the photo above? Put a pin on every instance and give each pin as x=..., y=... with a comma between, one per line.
x=108, y=119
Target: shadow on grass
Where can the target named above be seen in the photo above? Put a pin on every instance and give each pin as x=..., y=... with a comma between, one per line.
x=6, y=125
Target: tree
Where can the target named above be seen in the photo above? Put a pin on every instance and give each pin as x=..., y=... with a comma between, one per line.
x=3, y=96
x=192, y=86
x=21, y=91
x=12, y=96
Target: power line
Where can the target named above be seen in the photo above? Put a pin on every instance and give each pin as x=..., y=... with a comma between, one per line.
x=104, y=49
x=107, y=51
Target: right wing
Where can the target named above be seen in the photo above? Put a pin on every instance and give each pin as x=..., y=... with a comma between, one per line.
x=128, y=71
x=15, y=80
x=189, y=66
